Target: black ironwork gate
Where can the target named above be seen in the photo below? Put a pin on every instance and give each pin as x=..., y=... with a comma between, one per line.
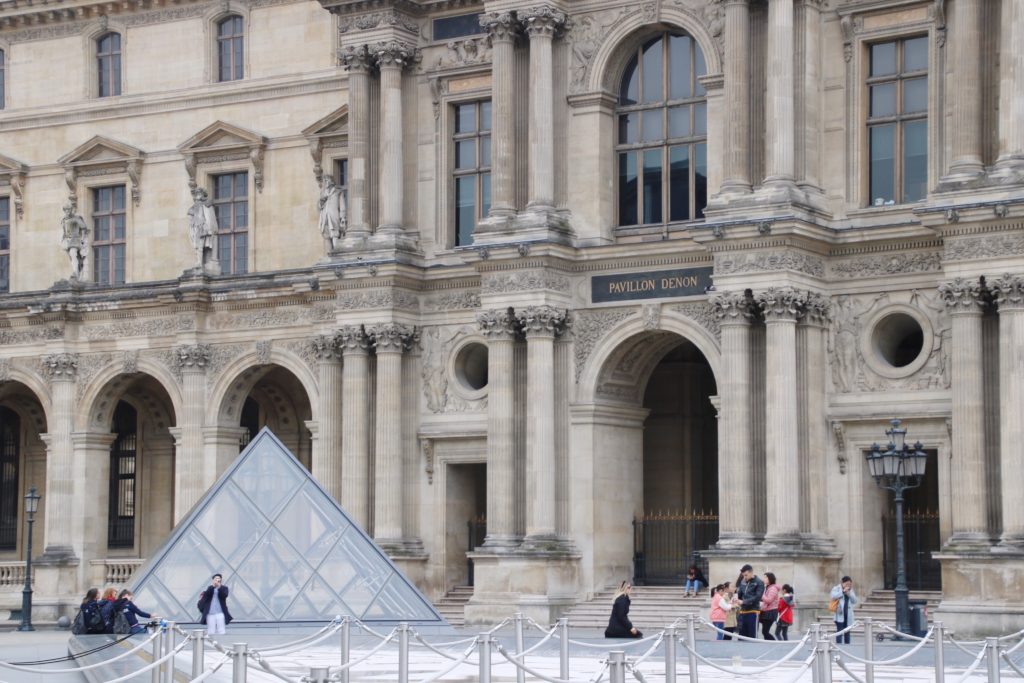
x=921, y=538
x=477, y=534
x=665, y=545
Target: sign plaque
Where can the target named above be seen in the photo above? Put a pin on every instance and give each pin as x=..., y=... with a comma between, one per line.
x=656, y=284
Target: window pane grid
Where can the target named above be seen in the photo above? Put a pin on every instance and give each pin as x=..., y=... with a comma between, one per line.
x=108, y=247
x=230, y=49
x=108, y=64
x=471, y=147
x=231, y=205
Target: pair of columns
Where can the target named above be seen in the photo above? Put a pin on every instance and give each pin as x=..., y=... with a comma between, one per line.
x=794, y=380
x=965, y=301
x=541, y=24
x=341, y=461
x=390, y=58
x=541, y=325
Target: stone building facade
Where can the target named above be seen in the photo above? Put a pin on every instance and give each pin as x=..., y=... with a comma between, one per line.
x=603, y=264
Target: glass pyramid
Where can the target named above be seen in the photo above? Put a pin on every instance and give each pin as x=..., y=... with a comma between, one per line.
x=287, y=550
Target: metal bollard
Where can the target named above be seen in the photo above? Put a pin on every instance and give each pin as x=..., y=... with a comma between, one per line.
x=346, y=643
x=168, y=667
x=158, y=649
x=518, y=620
x=319, y=674
x=403, y=652
x=825, y=660
x=869, y=650
x=670, y=654
x=691, y=647
x=563, y=650
x=617, y=667
x=485, y=657
x=198, y=653
x=993, y=659
x=238, y=667
x=940, y=659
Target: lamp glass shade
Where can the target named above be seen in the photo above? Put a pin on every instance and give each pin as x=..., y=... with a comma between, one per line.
x=897, y=435
x=917, y=461
x=32, y=501
x=874, y=459
x=891, y=462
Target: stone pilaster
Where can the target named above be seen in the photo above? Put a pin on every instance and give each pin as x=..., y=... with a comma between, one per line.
x=541, y=24
x=1009, y=293
x=89, y=510
x=193, y=474
x=500, y=327
x=61, y=369
x=541, y=324
x=966, y=84
x=1011, y=85
x=734, y=311
x=812, y=336
x=779, y=162
x=358, y=61
x=503, y=29
x=355, y=420
x=327, y=447
x=964, y=300
x=737, y=96
x=782, y=307
x=390, y=340
x=392, y=59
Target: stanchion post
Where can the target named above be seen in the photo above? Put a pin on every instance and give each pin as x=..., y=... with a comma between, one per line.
x=670, y=654
x=158, y=652
x=403, y=653
x=869, y=650
x=563, y=649
x=940, y=660
x=816, y=641
x=238, y=667
x=617, y=667
x=518, y=619
x=691, y=647
x=825, y=660
x=992, y=644
x=168, y=666
x=485, y=657
x=346, y=644
x=319, y=674
x=198, y=653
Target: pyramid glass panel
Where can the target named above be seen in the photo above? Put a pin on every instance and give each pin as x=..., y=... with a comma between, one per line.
x=287, y=550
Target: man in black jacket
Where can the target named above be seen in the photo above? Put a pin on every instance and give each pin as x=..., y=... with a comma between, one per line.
x=213, y=603
x=749, y=591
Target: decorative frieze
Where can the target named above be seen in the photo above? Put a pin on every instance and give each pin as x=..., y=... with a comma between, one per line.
x=60, y=366
x=589, y=327
x=984, y=247
x=28, y=335
x=498, y=323
x=140, y=327
x=452, y=301
x=264, y=351
x=703, y=314
x=370, y=21
x=378, y=298
x=770, y=261
x=886, y=264
x=543, y=320
x=524, y=281
x=130, y=362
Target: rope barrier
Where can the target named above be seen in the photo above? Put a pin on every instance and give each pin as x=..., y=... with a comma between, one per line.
x=849, y=628
x=604, y=646
x=1010, y=636
x=536, y=646
x=504, y=653
x=1015, y=647
x=375, y=650
x=19, y=667
x=905, y=655
x=964, y=649
x=792, y=653
x=1010, y=663
x=416, y=636
x=255, y=656
x=453, y=643
x=451, y=667
x=153, y=665
x=636, y=673
x=803, y=667
x=217, y=646
x=977, y=662
x=842, y=665
x=901, y=634
x=209, y=672
x=737, y=636
x=640, y=660
x=307, y=641
x=600, y=674
x=71, y=658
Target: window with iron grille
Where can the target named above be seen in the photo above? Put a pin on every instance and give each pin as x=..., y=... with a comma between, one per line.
x=10, y=500
x=5, y=244
x=123, y=460
x=108, y=224
x=230, y=48
x=231, y=203
x=898, y=121
x=472, y=167
x=108, y=64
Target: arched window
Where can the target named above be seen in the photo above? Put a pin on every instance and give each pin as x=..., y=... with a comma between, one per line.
x=661, y=133
x=230, y=48
x=123, y=460
x=108, y=64
x=10, y=500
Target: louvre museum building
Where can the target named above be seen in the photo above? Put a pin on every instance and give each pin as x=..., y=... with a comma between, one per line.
x=546, y=294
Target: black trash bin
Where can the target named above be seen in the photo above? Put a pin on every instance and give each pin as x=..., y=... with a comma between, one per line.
x=918, y=618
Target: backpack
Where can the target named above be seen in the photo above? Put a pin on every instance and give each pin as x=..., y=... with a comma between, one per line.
x=78, y=625
x=92, y=619
x=121, y=625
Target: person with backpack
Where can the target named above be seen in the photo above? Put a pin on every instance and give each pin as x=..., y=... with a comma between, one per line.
x=786, y=602
x=126, y=614
x=89, y=620
x=106, y=604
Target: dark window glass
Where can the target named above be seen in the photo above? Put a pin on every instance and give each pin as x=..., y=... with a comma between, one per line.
x=5, y=244
x=471, y=167
x=915, y=54
x=883, y=99
x=679, y=183
x=123, y=453
x=230, y=48
x=108, y=64
x=629, y=91
x=465, y=209
x=628, y=127
x=10, y=463
x=341, y=176
x=652, y=125
x=679, y=54
x=108, y=225
x=3, y=78
x=883, y=59
x=915, y=95
x=231, y=205
x=446, y=28
x=679, y=122
x=628, y=214
x=652, y=186
x=700, y=178
x=915, y=160
x=653, y=86
x=883, y=179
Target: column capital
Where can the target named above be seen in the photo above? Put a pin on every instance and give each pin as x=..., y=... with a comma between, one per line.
x=502, y=26
x=817, y=309
x=543, y=20
x=393, y=337
x=395, y=54
x=357, y=58
x=781, y=304
x=325, y=347
x=733, y=308
x=1009, y=292
x=193, y=357
x=61, y=367
x=962, y=296
x=542, y=321
x=498, y=324
x=352, y=339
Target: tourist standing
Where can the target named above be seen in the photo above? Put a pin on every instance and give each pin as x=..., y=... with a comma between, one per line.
x=749, y=591
x=844, y=598
x=769, y=606
x=619, y=625
x=730, y=615
x=786, y=602
x=213, y=603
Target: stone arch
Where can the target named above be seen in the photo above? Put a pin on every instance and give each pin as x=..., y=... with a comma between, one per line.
x=37, y=388
x=242, y=374
x=99, y=399
x=610, y=57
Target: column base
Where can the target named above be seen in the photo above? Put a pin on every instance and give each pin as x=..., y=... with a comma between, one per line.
x=57, y=555
x=982, y=592
x=543, y=223
x=391, y=239
x=541, y=586
x=740, y=541
x=967, y=541
x=496, y=228
x=1008, y=171
x=542, y=544
x=498, y=543
x=207, y=270
x=1010, y=543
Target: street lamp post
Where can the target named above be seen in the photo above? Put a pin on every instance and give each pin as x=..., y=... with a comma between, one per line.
x=31, y=506
x=898, y=468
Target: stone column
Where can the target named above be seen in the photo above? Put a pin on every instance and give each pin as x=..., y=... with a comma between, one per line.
x=193, y=474
x=737, y=96
x=966, y=88
x=61, y=369
x=390, y=341
x=541, y=324
x=1009, y=291
x=500, y=328
x=357, y=61
x=782, y=307
x=735, y=460
x=355, y=421
x=813, y=329
x=328, y=444
x=779, y=97
x=503, y=29
x=392, y=58
x=964, y=300
x=541, y=24
x=1011, y=87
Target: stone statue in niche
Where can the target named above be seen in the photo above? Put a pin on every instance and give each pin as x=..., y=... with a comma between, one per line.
x=202, y=230
x=333, y=213
x=845, y=334
x=75, y=241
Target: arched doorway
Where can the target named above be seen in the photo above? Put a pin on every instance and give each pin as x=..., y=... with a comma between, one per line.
x=274, y=398
x=22, y=463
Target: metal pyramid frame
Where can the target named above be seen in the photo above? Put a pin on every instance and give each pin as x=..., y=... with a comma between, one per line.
x=287, y=550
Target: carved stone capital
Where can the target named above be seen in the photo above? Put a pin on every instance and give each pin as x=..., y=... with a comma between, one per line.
x=61, y=367
x=962, y=296
x=357, y=58
x=817, y=309
x=193, y=357
x=543, y=20
x=782, y=303
x=394, y=54
x=352, y=338
x=502, y=26
x=325, y=347
x=732, y=308
x=537, y=321
x=393, y=337
x=498, y=324
x=1009, y=292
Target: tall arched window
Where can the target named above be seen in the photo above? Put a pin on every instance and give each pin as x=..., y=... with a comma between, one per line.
x=123, y=461
x=661, y=134
x=230, y=48
x=108, y=64
x=10, y=500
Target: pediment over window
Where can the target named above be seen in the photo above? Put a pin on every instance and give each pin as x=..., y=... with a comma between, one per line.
x=13, y=174
x=222, y=141
x=103, y=156
x=330, y=131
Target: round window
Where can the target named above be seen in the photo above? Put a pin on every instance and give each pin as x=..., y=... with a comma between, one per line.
x=471, y=366
x=898, y=339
